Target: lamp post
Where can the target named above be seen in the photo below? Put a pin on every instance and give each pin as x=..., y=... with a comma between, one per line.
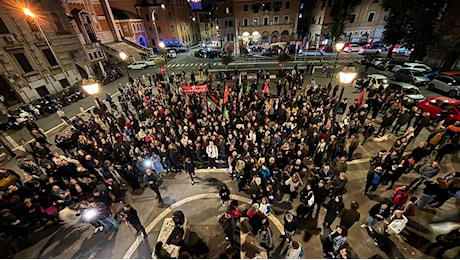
x=155, y=25
x=91, y=87
x=30, y=14
x=124, y=57
x=338, y=47
x=346, y=76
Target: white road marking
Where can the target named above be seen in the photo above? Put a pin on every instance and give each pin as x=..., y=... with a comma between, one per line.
x=167, y=211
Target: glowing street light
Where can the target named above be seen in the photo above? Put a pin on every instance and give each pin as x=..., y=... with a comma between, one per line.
x=162, y=45
x=123, y=56
x=347, y=74
x=90, y=86
x=338, y=47
x=28, y=12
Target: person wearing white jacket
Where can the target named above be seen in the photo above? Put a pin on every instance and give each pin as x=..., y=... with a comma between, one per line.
x=397, y=223
x=212, y=153
x=294, y=251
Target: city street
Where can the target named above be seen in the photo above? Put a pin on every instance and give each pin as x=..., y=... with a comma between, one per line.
x=202, y=207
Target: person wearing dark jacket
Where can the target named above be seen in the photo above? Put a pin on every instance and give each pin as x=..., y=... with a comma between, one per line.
x=189, y=167
x=348, y=217
x=378, y=212
x=290, y=226
x=368, y=131
x=333, y=208
x=429, y=192
x=160, y=252
x=132, y=218
x=320, y=196
x=425, y=172
x=387, y=121
x=419, y=152
x=224, y=193
x=228, y=224
x=151, y=180
x=445, y=242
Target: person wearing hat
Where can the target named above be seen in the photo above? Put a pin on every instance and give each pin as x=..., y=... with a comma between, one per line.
x=373, y=179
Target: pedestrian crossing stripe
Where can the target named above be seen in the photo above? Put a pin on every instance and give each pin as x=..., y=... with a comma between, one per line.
x=180, y=65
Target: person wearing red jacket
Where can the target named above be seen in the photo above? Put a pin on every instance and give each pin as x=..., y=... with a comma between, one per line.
x=400, y=196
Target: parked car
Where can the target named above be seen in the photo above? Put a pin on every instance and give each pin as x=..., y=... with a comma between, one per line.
x=433, y=74
x=446, y=84
x=435, y=105
x=373, y=81
x=402, y=49
x=351, y=47
x=412, y=76
x=411, y=91
x=138, y=65
x=386, y=64
x=171, y=53
x=413, y=66
x=208, y=53
x=151, y=61
x=372, y=48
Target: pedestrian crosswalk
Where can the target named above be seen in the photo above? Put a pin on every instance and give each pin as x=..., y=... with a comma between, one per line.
x=299, y=62
x=189, y=65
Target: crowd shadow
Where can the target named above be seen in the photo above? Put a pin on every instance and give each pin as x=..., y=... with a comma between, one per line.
x=99, y=245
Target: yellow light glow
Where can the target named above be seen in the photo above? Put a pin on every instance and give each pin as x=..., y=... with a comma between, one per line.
x=123, y=55
x=28, y=12
x=162, y=45
x=347, y=74
x=339, y=46
x=92, y=88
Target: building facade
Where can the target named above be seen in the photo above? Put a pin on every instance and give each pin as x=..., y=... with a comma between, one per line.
x=446, y=52
x=207, y=24
x=226, y=21
x=30, y=67
x=366, y=24
x=260, y=22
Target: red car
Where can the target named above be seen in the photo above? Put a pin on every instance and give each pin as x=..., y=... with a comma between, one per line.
x=435, y=105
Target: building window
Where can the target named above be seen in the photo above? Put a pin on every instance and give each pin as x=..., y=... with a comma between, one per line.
x=370, y=17
x=255, y=21
x=230, y=23
x=147, y=17
x=90, y=56
x=57, y=22
x=3, y=28
x=245, y=8
x=319, y=20
x=255, y=8
x=276, y=6
x=50, y=57
x=384, y=18
x=150, y=30
x=288, y=4
x=172, y=28
x=228, y=10
x=159, y=29
x=100, y=54
x=286, y=19
x=265, y=20
x=23, y=62
x=169, y=16
x=352, y=18
x=226, y=24
x=301, y=6
x=276, y=20
x=245, y=22
x=134, y=27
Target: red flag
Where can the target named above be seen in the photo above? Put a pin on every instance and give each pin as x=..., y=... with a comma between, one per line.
x=361, y=98
x=266, y=87
x=226, y=93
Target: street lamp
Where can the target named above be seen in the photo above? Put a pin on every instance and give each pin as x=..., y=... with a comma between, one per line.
x=338, y=46
x=162, y=45
x=346, y=76
x=91, y=87
x=30, y=14
x=124, y=57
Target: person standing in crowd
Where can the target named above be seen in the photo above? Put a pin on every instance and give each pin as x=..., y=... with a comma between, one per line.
x=189, y=167
x=132, y=218
x=445, y=242
x=213, y=154
x=425, y=172
x=379, y=212
x=152, y=181
x=224, y=193
x=228, y=224
x=348, y=216
x=333, y=209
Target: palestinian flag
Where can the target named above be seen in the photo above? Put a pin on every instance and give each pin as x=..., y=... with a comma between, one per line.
x=211, y=103
x=248, y=88
x=240, y=94
x=213, y=99
x=226, y=93
x=225, y=115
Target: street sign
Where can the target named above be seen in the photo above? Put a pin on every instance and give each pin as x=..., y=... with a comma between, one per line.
x=163, y=69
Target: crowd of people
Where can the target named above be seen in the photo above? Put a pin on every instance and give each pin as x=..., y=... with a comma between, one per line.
x=288, y=143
